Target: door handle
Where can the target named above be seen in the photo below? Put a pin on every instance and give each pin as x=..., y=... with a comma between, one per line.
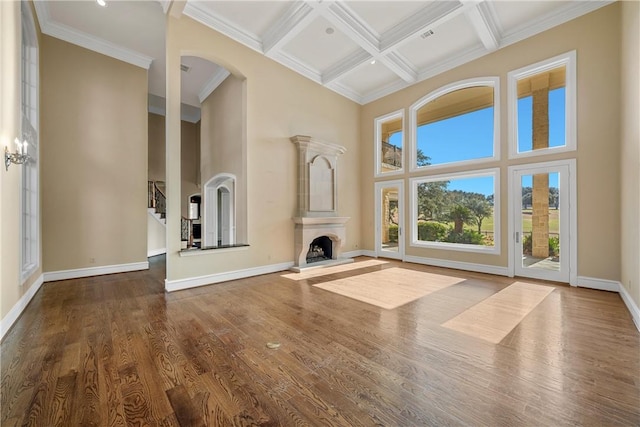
x=517, y=237
x=399, y=231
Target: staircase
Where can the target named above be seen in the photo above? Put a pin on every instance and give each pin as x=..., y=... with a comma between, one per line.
x=157, y=201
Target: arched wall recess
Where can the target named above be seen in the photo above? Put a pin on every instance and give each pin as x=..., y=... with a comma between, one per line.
x=219, y=210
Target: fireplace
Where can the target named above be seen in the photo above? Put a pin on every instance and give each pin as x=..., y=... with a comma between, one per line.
x=320, y=250
x=319, y=233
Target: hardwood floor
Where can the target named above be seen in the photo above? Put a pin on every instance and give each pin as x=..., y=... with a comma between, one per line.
x=116, y=350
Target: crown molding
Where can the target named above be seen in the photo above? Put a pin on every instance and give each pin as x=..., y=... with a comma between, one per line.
x=346, y=65
x=550, y=20
x=87, y=41
x=195, y=11
x=345, y=91
x=211, y=85
x=296, y=65
x=288, y=25
x=166, y=4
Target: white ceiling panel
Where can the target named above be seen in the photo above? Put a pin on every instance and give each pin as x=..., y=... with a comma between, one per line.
x=369, y=77
x=383, y=15
x=317, y=48
x=448, y=39
x=252, y=16
x=294, y=32
x=512, y=14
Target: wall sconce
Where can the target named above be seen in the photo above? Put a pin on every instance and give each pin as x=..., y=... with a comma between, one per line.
x=19, y=157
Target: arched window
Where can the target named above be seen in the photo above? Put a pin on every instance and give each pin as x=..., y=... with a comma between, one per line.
x=30, y=170
x=219, y=211
x=456, y=124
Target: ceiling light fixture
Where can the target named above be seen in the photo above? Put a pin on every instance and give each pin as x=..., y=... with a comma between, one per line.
x=329, y=30
x=102, y=3
x=373, y=61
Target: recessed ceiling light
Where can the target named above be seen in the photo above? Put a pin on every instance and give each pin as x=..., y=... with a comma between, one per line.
x=102, y=3
x=329, y=30
x=373, y=61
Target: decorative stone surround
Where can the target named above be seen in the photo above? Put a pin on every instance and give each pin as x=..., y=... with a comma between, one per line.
x=317, y=212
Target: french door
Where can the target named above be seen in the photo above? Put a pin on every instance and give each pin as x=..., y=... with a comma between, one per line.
x=543, y=221
x=389, y=217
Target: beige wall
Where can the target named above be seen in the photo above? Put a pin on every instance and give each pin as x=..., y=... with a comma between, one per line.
x=94, y=158
x=280, y=103
x=630, y=152
x=156, y=162
x=223, y=144
x=598, y=136
x=189, y=163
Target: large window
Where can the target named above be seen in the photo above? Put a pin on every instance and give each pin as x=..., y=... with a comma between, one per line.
x=389, y=143
x=29, y=96
x=456, y=211
x=542, y=105
x=456, y=124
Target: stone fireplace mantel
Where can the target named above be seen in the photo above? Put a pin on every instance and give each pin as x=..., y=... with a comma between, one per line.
x=317, y=210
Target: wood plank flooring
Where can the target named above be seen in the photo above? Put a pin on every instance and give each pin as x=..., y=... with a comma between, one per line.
x=118, y=351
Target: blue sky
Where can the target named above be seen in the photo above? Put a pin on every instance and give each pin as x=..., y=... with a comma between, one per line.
x=470, y=136
x=479, y=184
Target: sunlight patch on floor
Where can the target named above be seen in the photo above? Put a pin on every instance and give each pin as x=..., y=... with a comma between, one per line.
x=391, y=287
x=496, y=316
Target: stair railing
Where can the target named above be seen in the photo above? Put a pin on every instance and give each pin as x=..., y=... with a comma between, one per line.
x=156, y=199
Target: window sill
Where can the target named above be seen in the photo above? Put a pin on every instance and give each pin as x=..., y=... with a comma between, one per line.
x=213, y=249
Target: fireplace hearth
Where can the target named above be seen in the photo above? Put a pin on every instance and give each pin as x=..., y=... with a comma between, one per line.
x=319, y=232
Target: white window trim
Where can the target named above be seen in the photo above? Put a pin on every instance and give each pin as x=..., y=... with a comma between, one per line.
x=28, y=267
x=494, y=82
x=413, y=206
x=569, y=61
x=378, y=121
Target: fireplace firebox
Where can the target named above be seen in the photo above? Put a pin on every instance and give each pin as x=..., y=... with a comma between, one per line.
x=319, y=250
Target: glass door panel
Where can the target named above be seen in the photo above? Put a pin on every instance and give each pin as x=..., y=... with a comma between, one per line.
x=541, y=224
x=389, y=220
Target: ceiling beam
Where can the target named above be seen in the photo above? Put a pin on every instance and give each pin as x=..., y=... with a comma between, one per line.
x=425, y=19
x=484, y=27
x=341, y=68
x=291, y=22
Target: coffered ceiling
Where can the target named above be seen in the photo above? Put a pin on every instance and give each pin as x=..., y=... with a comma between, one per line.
x=361, y=49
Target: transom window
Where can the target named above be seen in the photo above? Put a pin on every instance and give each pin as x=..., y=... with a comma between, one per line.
x=456, y=124
x=542, y=107
x=389, y=143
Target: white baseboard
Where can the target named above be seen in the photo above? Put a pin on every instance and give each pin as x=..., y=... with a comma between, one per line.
x=599, y=284
x=193, y=282
x=457, y=265
x=15, y=312
x=156, y=252
x=631, y=305
x=52, y=276
x=360, y=252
